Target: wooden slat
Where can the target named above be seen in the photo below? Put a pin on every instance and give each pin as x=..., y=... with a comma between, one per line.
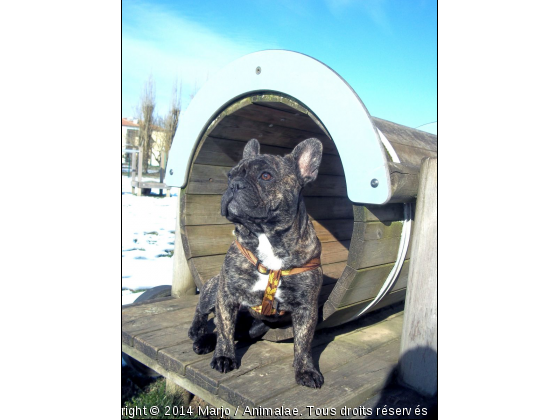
x=332, y=350
x=256, y=355
x=332, y=272
x=360, y=378
x=223, y=152
x=407, y=136
x=208, y=179
x=362, y=288
x=205, y=209
x=131, y=329
x=371, y=253
x=209, y=239
x=279, y=103
x=237, y=128
x=371, y=212
x=410, y=155
x=176, y=358
x=320, y=208
x=334, y=316
x=202, y=210
x=371, y=231
x=279, y=118
x=149, y=308
x=152, y=342
x=216, y=239
x=208, y=266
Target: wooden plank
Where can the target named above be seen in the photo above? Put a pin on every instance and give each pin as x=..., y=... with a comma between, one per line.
x=321, y=208
x=385, y=213
x=332, y=272
x=200, y=209
x=333, y=252
x=176, y=358
x=249, y=358
x=404, y=182
x=208, y=266
x=334, y=316
x=371, y=278
x=216, y=239
x=407, y=136
x=134, y=327
x=278, y=117
x=152, y=185
x=236, y=128
x=371, y=231
x=183, y=283
x=280, y=103
x=371, y=253
x=152, y=342
x=156, y=306
x=208, y=179
x=209, y=239
x=340, y=363
x=410, y=155
x=364, y=287
x=418, y=368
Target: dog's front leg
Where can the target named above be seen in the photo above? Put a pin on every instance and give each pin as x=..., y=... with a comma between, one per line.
x=226, y=313
x=304, y=322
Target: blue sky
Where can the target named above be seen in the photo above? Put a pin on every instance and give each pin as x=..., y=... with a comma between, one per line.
x=386, y=50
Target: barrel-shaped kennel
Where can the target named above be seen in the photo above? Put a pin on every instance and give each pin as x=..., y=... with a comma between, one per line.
x=365, y=252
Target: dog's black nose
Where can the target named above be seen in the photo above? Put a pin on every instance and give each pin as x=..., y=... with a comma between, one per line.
x=237, y=184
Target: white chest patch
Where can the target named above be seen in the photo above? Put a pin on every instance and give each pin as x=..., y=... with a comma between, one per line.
x=261, y=285
x=266, y=254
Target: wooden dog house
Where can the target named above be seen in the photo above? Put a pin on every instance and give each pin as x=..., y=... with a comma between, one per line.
x=361, y=203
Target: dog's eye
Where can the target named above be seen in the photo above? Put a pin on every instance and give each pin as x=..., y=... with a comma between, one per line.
x=266, y=176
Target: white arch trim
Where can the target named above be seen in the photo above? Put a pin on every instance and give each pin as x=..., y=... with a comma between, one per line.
x=313, y=84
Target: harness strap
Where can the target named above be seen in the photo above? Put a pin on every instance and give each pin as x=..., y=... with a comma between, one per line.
x=267, y=306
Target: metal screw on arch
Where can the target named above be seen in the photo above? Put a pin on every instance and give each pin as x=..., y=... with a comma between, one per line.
x=258, y=70
x=374, y=182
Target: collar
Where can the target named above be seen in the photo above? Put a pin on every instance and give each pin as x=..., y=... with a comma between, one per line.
x=268, y=305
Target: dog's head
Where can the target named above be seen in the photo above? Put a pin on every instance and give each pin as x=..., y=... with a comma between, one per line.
x=266, y=188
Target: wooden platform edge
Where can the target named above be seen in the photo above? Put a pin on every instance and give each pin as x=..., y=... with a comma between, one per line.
x=183, y=382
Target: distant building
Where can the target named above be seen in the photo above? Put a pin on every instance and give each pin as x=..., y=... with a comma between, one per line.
x=130, y=132
x=131, y=139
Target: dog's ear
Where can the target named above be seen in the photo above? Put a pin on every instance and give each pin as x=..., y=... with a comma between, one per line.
x=307, y=156
x=251, y=149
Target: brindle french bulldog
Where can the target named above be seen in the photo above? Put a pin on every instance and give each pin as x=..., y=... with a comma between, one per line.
x=264, y=200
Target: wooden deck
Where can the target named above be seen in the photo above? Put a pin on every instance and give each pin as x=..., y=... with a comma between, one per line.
x=355, y=359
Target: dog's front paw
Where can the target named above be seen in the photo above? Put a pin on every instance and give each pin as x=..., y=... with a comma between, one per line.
x=310, y=378
x=223, y=364
x=205, y=344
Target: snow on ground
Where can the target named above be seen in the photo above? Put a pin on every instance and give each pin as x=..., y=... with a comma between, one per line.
x=148, y=238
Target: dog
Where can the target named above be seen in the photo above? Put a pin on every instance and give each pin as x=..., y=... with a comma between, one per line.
x=272, y=270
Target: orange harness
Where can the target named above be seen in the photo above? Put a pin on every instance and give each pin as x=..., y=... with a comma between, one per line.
x=267, y=306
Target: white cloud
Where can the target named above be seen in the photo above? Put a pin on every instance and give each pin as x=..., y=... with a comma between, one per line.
x=162, y=42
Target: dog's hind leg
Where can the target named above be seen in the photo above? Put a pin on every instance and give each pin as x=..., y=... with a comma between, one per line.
x=248, y=328
x=203, y=341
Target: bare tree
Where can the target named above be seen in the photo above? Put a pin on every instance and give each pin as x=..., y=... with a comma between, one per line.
x=171, y=120
x=147, y=106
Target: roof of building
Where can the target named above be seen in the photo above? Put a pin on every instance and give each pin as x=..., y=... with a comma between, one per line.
x=128, y=123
